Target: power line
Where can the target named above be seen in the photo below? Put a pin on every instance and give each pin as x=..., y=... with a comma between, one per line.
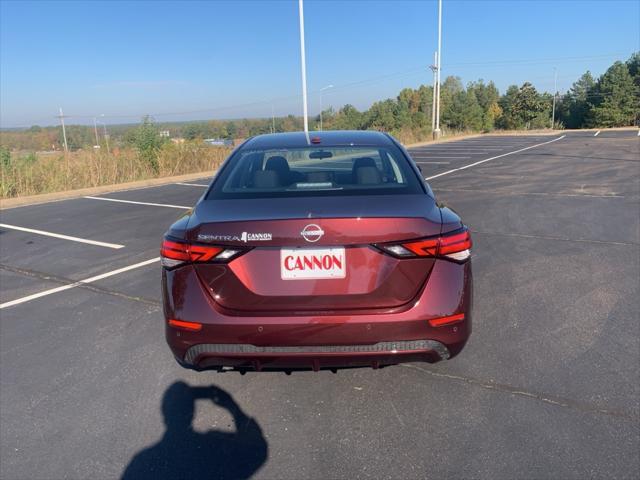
x=367, y=81
x=536, y=61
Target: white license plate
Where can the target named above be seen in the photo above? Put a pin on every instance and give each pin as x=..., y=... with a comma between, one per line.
x=312, y=263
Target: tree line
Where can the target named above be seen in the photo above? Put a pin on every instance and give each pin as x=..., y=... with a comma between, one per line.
x=612, y=100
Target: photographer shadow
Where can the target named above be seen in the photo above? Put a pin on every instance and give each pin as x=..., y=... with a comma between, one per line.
x=185, y=453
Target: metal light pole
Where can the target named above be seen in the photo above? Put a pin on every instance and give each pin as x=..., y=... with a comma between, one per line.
x=555, y=91
x=303, y=66
x=436, y=131
x=322, y=90
x=434, y=68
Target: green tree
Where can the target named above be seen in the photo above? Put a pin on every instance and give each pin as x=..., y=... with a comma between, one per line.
x=509, y=120
x=574, y=106
x=633, y=64
x=147, y=140
x=616, y=101
x=5, y=157
x=382, y=116
x=463, y=111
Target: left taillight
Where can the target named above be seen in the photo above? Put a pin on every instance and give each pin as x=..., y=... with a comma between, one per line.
x=174, y=253
x=454, y=246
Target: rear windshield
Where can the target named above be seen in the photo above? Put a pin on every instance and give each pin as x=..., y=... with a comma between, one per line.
x=316, y=171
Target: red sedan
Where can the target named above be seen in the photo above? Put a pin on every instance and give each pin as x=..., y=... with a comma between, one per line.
x=319, y=252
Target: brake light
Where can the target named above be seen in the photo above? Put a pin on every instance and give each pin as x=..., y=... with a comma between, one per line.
x=454, y=246
x=175, y=253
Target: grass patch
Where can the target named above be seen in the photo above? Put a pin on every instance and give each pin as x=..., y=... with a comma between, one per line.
x=35, y=173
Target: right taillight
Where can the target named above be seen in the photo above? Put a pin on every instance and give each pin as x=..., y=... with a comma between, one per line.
x=174, y=253
x=454, y=246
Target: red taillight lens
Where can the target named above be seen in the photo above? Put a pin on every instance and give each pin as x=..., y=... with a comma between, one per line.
x=442, y=321
x=454, y=246
x=423, y=248
x=175, y=253
x=456, y=243
x=191, y=326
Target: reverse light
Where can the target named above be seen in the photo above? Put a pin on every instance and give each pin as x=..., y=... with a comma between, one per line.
x=455, y=246
x=191, y=326
x=175, y=253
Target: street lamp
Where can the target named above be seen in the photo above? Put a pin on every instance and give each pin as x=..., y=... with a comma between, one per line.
x=303, y=68
x=436, y=132
x=322, y=90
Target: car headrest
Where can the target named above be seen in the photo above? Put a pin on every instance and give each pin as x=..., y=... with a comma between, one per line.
x=368, y=176
x=277, y=164
x=363, y=162
x=265, y=179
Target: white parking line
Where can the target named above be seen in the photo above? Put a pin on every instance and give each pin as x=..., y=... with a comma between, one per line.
x=64, y=237
x=639, y=133
x=493, y=158
x=139, y=203
x=51, y=291
x=191, y=184
x=596, y=134
x=433, y=163
x=441, y=157
x=459, y=148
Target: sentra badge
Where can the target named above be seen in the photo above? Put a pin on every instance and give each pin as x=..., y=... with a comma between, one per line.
x=244, y=237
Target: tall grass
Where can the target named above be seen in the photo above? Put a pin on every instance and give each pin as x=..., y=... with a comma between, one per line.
x=34, y=173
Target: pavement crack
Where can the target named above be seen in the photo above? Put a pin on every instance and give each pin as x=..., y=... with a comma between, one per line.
x=541, y=397
x=87, y=286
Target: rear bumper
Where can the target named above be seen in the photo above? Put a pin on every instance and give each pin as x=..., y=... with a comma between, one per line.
x=304, y=340
x=325, y=356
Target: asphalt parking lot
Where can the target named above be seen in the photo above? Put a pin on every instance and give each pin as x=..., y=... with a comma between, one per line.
x=548, y=386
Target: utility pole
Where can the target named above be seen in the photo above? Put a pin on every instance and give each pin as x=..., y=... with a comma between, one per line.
x=303, y=66
x=555, y=91
x=106, y=134
x=64, y=132
x=322, y=90
x=434, y=68
x=95, y=129
x=273, y=119
x=436, y=131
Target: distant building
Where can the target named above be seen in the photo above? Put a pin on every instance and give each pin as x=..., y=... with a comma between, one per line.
x=219, y=142
x=165, y=133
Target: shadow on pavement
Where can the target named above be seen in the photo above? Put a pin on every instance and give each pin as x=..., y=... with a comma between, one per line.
x=185, y=453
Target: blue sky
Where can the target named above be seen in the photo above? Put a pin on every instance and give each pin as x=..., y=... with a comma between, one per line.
x=197, y=60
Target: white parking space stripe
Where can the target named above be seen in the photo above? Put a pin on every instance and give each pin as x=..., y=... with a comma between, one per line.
x=139, y=203
x=596, y=134
x=433, y=163
x=191, y=184
x=447, y=157
x=460, y=148
x=62, y=288
x=493, y=158
x=639, y=133
x=63, y=237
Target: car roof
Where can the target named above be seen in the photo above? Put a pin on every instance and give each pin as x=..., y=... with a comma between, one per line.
x=327, y=138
